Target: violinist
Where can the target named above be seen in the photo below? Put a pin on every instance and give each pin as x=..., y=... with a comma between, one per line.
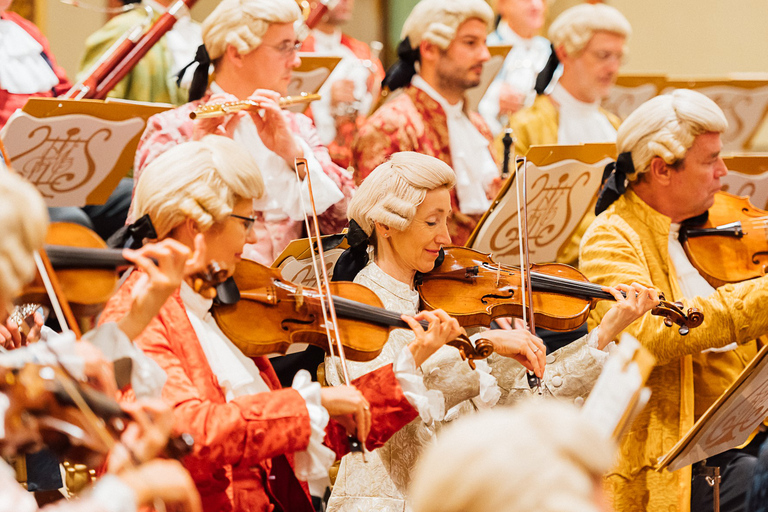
x=253, y=48
x=254, y=441
x=401, y=210
x=24, y=216
x=670, y=161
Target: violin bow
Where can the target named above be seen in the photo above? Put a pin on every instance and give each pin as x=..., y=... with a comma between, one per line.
x=322, y=278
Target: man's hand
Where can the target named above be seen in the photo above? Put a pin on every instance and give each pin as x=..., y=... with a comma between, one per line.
x=510, y=101
x=272, y=126
x=349, y=407
x=218, y=125
x=342, y=91
x=639, y=300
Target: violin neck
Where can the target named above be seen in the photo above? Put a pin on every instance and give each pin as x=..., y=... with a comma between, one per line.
x=63, y=256
x=554, y=284
x=358, y=311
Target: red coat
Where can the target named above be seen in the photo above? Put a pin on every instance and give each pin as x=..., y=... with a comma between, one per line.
x=413, y=121
x=10, y=102
x=242, y=458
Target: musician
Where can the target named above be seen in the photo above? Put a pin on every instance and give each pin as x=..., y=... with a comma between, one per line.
x=513, y=88
x=557, y=460
x=590, y=43
x=445, y=39
x=252, y=45
x=352, y=87
x=153, y=78
x=27, y=67
x=23, y=214
x=670, y=155
x=402, y=210
x=254, y=441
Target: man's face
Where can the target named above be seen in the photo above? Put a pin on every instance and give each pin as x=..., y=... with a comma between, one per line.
x=271, y=64
x=342, y=13
x=696, y=179
x=460, y=65
x=593, y=72
x=525, y=17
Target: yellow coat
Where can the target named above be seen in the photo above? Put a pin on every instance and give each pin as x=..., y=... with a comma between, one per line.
x=629, y=243
x=537, y=125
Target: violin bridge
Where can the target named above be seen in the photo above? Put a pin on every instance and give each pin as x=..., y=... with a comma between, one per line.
x=299, y=296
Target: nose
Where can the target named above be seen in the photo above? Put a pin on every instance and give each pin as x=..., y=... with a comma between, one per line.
x=443, y=238
x=250, y=236
x=295, y=61
x=485, y=54
x=721, y=169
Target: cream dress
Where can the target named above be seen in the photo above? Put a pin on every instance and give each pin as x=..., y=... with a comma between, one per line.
x=381, y=484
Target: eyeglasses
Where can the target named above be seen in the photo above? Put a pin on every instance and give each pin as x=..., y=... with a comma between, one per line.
x=604, y=56
x=248, y=220
x=286, y=49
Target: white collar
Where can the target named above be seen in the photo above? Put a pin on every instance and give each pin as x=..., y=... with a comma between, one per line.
x=392, y=285
x=510, y=36
x=450, y=110
x=566, y=99
x=327, y=42
x=194, y=302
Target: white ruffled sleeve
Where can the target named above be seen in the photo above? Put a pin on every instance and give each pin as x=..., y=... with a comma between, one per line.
x=430, y=404
x=489, y=388
x=314, y=462
x=598, y=354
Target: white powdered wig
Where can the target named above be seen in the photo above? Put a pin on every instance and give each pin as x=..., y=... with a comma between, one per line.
x=243, y=23
x=575, y=26
x=436, y=21
x=541, y=455
x=200, y=180
x=24, y=218
x=666, y=126
x=393, y=191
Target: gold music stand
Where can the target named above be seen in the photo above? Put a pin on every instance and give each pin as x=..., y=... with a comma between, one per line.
x=310, y=76
x=563, y=184
x=631, y=91
x=295, y=262
x=490, y=70
x=748, y=176
x=76, y=151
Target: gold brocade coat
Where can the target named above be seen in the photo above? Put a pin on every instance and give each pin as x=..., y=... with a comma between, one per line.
x=537, y=125
x=629, y=243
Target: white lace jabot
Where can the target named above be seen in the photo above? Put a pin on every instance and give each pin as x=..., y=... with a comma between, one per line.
x=23, y=70
x=579, y=122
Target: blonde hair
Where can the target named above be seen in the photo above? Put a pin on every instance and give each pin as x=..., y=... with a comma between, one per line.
x=393, y=191
x=666, y=126
x=24, y=217
x=243, y=23
x=198, y=180
x=436, y=21
x=540, y=455
x=575, y=26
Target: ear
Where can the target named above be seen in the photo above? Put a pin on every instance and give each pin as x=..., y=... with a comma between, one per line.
x=383, y=230
x=233, y=56
x=660, y=172
x=429, y=52
x=562, y=55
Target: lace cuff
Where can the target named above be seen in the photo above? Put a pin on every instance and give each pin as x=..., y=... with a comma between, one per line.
x=600, y=355
x=113, y=495
x=315, y=461
x=489, y=388
x=429, y=403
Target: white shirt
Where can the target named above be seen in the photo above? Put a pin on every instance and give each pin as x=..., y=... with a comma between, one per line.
x=23, y=70
x=350, y=68
x=579, y=122
x=283, y=193
x=522, y=65
x=472, y=161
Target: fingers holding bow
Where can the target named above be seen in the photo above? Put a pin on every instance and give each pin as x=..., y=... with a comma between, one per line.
x=520, y=345
x=348, y=406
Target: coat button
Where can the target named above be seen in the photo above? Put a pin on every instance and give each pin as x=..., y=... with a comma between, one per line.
x=551, y=358
x=578, y=401
x=557, y=381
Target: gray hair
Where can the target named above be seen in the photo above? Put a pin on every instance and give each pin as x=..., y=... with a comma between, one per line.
x=436, y=21
x=575, y=26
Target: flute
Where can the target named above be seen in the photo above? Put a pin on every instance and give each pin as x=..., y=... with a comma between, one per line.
x=222, y=109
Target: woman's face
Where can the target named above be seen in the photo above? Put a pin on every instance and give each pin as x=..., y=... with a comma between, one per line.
x=416, y=247
x=225, y=239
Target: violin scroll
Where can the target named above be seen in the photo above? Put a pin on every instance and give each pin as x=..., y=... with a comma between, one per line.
x=481, y=350
x=674, y=314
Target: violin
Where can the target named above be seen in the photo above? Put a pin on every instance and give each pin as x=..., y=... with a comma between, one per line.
x=471, y=287
x=730, y=244
x=273, y=313
x=47, y=407
x=87, y=270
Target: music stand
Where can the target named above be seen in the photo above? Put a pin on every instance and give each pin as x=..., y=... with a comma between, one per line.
x=490, y=70
x=748, y=176
x=310, y=76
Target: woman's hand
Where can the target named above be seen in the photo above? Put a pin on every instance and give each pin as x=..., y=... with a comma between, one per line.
x=519, y=344
x=639, y=300
x=163, y=480
x=12, y=336
x=349, y=407
x=175, y=261
x=273, y=128
x=442, y=329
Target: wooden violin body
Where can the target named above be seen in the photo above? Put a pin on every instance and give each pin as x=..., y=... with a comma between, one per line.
x=273, y=314
x=732, y=245
x=474, y=289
